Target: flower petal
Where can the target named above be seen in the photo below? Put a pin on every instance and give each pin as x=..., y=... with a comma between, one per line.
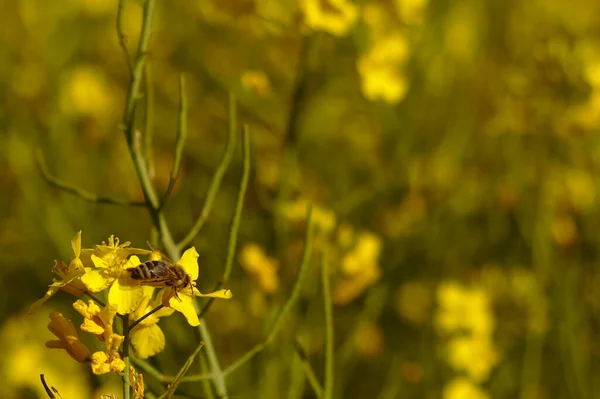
x=76, y=244
x=185, y=306
x=126, y=297
x=189, y=262
x=96, y=280
x=224, y=294
x=147, y=341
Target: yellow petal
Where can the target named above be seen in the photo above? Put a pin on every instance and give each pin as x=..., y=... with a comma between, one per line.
x=132, y=262
x=224, y=294
x=76, y=244
x=189, y=262
x=99, y=365
x=185, y=306
x=96, y=280
x=126, y=297
x=147, y=341
x=99, y=262
x=91, y=327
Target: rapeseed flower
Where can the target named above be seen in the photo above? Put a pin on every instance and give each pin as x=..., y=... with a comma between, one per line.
x=69, y=277
x=146, y=337
x=333, y=16
x=261, y=267
x=463, y=388
x=68, y=339
x=360, y=267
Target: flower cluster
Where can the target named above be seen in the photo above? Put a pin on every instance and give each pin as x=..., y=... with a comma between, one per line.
x=107, y=269
x=465, y=317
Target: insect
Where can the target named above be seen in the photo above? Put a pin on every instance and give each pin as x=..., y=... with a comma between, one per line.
x=162, y=272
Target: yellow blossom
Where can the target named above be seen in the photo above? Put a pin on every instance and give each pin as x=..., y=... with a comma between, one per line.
x=146, y=337
x=110, y=263
x=183, y=302
x=109, y=361
x=463, y=388
x=334, y=16
x=349, y=289
x=69, y=276
x=86, y=93
x=411, y=11
x=474, y=355
x=379, y=69
x=264, y=269
x=463, y=308
x=68, y=339
x=365, y=254
x=323, y=218
x=256, y=82
x=96, y=321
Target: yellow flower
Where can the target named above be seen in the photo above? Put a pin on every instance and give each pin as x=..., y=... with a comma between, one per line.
x=110, y=263
x=68, y=339
x=365, y=254
x=462, y=388
x=462, y=308
x=184, y=302
x=109, y=361
x=334, y=16
x=69, y=276
x=379, y=69
x=264, y=269
x=86, y=93
x=474, y=355
x=146, y=337
x=96, y=321
x=360, y=265
x=323, y=219
x=348, y=290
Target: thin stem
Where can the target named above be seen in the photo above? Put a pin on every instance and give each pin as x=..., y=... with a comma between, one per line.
x=78, y=192
x=237, y=216
x=289, y=303
x=308, y=370
x=121, y=35
x=217, y=177
x=138, y=69
x=138, y=321
x=218, y=376
x=149, y=118
x=184, y=369
x=327, y=303
x=47, y=388
x=181, y=135
x=126, y=383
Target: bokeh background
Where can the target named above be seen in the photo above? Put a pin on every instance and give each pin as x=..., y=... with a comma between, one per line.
x=450, y=148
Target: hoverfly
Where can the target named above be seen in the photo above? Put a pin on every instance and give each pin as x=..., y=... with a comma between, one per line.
x=162, y=272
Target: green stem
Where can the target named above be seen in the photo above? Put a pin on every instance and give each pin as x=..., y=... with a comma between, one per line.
x=126, y=383
x=289, y=303
x=217, y=177
x=327, y=303
x=181, y=135
x=76, y=191
x=138, y=321
x=308, y=370
x=234, y=227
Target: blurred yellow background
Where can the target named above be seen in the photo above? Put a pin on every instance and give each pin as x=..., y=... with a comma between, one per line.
x=449, y=149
